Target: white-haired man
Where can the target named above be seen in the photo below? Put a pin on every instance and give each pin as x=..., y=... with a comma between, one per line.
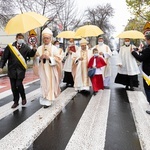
x=49, y=69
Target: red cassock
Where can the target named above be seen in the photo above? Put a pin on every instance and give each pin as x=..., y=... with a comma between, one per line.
x=97, y=79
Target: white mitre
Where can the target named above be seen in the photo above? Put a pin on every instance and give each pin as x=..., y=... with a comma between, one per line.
x=83, y=41
x=47, y=32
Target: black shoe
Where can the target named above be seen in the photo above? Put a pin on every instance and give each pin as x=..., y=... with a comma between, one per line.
x=72, y=85
x=94, y=93
x=106, y=87
x=127, y=88
x=45, y=106
x=148, y=112
x=14, y=105
x=69, y=85
x=24, y=101
x=85, y=92
x=131, y=89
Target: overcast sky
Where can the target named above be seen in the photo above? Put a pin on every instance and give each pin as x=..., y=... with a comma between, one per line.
x=121, y=14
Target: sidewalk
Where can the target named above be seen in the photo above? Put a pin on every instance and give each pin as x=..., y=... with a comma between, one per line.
x=5, y=83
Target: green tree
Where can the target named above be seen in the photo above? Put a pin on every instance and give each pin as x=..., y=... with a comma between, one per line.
x=140, y=11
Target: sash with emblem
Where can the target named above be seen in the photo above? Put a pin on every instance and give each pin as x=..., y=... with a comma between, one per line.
x=145, y=76
x=18, y=55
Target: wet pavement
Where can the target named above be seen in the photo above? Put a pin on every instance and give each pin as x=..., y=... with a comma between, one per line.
x=58, y=133
x=121, y=133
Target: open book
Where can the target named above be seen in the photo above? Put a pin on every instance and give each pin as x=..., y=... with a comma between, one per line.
x=72, y=48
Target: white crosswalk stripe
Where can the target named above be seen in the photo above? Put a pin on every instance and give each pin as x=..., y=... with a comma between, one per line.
x=8, y=92
x=35, y=124
x=6, y=109
x=138, y=105
x=90, y=130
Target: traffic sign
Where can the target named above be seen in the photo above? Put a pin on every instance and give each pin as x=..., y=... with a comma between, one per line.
x=32, y=33
x=32, y=40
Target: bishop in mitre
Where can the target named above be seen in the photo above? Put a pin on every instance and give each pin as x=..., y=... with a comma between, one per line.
x=49, y=69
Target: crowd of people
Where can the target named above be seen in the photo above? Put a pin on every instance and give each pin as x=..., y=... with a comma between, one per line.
x=72, y=66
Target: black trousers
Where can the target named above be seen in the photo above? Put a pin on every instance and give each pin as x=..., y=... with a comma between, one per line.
x=68, y=78
x=17, y=89
x=147, y=90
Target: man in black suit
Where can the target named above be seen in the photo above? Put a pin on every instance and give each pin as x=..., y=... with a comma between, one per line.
x=16, y=54
x=144, y=57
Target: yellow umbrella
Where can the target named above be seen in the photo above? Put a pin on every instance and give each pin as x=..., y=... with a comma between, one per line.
x=68, y=35
x=25, y=22
x=88, y=31
x=132, y=34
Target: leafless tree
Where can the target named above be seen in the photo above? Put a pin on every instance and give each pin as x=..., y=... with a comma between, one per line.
x=48, y=8
x=101, y=16
x=59, y=12
x=5, y=12
x=69, y=16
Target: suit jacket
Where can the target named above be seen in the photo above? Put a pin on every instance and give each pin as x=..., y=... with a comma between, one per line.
x=144, y=57
x=15, y=68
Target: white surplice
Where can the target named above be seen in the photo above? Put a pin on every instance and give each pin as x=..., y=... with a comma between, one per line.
x=128, y=62
x=107, y=57
x=68, y=60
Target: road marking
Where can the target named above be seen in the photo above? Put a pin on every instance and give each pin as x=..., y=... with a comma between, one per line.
x=8, y=92
x=139, y=105
x=36, y=123
x=6, y=109
x=91, y=130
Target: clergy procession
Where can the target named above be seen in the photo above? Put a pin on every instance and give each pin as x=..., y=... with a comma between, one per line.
x=53, y=65
x=77, y=94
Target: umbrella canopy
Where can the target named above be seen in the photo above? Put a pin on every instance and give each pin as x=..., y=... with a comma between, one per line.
x=25, y=22
x=68, y=35
x=131, y=34
x=88, y=31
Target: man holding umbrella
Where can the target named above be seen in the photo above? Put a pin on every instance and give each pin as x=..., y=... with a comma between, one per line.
x=16, y=54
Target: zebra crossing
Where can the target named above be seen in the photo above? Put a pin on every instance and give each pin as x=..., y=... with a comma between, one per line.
x=91, y=129
x=90, y=132
x=35, y=124
x=138, y=105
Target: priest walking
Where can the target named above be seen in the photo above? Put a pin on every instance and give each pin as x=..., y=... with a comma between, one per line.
x=49, y=69
x=80, y=70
